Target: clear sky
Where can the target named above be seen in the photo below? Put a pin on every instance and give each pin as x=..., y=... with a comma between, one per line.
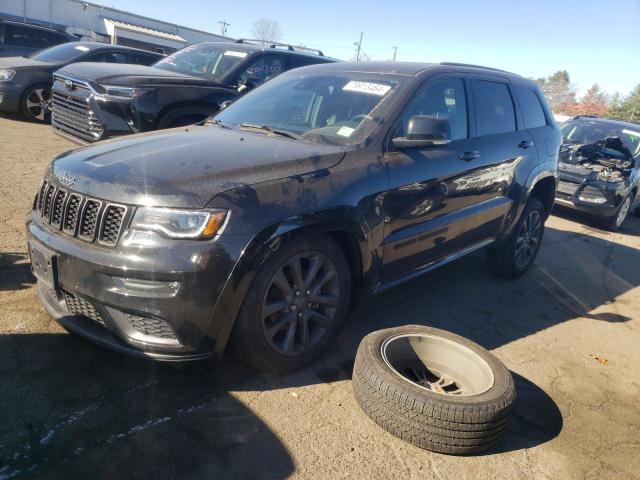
x=596, y=41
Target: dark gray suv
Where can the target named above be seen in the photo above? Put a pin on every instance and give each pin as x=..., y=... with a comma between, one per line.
x=263, y=225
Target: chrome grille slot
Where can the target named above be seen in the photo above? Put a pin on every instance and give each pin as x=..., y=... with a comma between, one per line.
x=72, y=214
x=71, y=111
x=57, y=210
x=48, y=200
x=43, y=189
x=111, y=224
x=90, y=217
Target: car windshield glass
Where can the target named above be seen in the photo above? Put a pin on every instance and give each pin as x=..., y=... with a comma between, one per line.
x=61, y=53
x=584, y=132
x=209, y=61
x=322, y=108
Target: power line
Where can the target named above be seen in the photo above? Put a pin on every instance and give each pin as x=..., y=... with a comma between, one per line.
x=223, y=26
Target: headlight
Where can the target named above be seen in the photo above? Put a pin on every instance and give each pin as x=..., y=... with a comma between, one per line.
x=7, y=74
x=179, y=223
x=124, y=92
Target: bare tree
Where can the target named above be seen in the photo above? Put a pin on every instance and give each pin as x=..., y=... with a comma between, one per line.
x=560, y=94
x=267, y=31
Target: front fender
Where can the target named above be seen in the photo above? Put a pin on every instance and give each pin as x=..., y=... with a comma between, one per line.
x=268, y=241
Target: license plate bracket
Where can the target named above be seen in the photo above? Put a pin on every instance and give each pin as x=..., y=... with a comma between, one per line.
x=44, y=264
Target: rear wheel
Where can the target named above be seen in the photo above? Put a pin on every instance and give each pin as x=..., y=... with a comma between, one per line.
x=36, y=103
x=515, y=255
x=295, y=307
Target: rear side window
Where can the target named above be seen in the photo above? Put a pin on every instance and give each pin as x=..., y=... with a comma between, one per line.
x=494, y=107
x=532, y=111
x=108, y=57
x=142, y=59
x=444, y=99
x=20, y=36
x=57, y=39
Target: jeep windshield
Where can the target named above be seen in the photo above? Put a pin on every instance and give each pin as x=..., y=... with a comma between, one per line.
x=586, y=132
x=210, y=61
x=339, y=108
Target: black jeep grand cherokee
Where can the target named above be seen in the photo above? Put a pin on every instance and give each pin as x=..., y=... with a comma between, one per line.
x=327, y=183
x=94, y=102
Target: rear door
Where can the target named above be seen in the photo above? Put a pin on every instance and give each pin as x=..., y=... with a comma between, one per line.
x=537, y=122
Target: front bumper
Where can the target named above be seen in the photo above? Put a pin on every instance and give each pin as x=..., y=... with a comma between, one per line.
x=125, y=319
x=590, y=196
x=10, y=96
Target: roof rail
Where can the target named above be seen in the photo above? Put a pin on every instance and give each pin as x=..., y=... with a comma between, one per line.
x=291, y=48
x=455, y=64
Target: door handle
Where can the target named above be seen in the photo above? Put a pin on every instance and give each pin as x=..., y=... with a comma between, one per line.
x=471, y=155
x=525, y=144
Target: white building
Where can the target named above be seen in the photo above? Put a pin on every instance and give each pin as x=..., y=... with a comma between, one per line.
x=91, y=21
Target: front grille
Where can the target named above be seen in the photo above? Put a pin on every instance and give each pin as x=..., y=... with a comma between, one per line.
x=153, y=327
x=567, y=188
x=77, y=215
x=80, y=306
x=591, y=192
x=73, y=115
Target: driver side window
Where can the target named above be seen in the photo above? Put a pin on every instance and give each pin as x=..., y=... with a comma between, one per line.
x=261, y=70
x=442, y=99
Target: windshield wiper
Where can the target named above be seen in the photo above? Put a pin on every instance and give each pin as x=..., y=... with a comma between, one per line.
x=271, y=130
x=215, y=121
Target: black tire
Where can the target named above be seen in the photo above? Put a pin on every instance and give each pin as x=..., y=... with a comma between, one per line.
x=251, y=341
x=35, y=103
x=442, y=423
x=503, y=257
x=614, y=223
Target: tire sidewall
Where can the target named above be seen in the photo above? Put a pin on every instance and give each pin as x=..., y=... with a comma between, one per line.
x=532, y=204
x=249, y=325
x=370, y=351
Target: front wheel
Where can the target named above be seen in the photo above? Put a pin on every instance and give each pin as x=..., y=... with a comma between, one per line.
x=614, y=223
x=515, y=255
x=295, y=307
x=36, y=104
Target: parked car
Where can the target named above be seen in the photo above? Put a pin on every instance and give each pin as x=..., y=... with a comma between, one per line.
x=25, y=82
x=599, y=168
x=19, y=39
x=264, y=223
x=180, y=90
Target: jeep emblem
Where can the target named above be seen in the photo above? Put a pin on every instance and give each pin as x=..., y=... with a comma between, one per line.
x=68, y=84
x=66, y=179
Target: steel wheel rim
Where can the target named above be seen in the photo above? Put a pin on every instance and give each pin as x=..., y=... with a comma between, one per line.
x=528, y=239
x=437, y=365
x=624, y=210
x=39, y=103
x=300, y=304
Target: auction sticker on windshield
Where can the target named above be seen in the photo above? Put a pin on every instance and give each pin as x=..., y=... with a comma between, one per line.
x=232, y=53
x=378, y=89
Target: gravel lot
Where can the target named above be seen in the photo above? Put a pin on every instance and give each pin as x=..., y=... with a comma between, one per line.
x=569, y=331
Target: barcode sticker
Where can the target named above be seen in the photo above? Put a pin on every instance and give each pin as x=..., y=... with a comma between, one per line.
x=378, y=89
x=345, y=131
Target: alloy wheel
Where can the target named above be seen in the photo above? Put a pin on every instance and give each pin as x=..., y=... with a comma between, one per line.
x=624, y=210
x=300, y=303
x=528, y=239
x=39, y=104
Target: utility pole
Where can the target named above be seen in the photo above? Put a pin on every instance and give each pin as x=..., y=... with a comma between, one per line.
x=223, y=27
x=395, y=52
x=359, y=45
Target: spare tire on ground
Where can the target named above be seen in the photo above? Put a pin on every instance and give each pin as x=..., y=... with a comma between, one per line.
x=432, y=388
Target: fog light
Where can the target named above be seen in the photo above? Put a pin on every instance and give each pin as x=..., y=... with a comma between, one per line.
x=134, y=287
x=593, y=200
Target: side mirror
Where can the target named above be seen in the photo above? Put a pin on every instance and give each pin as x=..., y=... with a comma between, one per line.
x=424, y=131
x=224, y=105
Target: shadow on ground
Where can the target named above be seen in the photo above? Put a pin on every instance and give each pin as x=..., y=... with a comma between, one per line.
x=15, y=272
x=67, y=404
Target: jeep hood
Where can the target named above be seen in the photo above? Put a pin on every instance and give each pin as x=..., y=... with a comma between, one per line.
x=131, y=75
x=186, y=167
